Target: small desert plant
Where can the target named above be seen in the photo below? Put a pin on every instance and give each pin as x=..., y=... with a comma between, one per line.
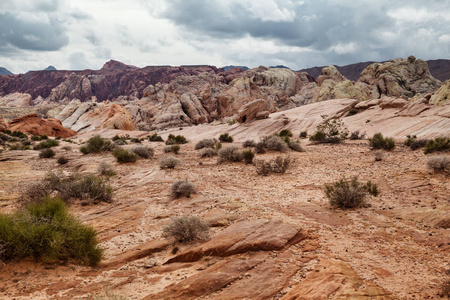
x=46, y=144
x=36, y=138
x=206, y=143
x=18, y=134
x=439, y=163
x=285, y=133
x=231, y=153
x=296, y=146
x=169, y=162
x=303, y=134
x=273, y=143
x=346, y=194
x=371, y=188
x=135, y=140
x=247, y=156
x=143, y=151
x=120, y=142
x=155, y=138
x=225, y=138
x=208, y=152
x=97, y=144
x=172, y=139
x=379, y=155
x=124, y=156
x=278, y=165
x=47, y=153
x=105, y=169
x=18, y=146
x=437, y=144
x=355, y=135
x=183, y=188
x=380, y=142
x=47, y=232
x=330, y=131
x=187, y=229
x=62, y=160
x=249, y=143
x=172, y=148
x=413, y=143
x=352, y=112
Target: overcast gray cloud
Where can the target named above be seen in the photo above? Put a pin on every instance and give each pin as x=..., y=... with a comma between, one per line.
x=87, y=33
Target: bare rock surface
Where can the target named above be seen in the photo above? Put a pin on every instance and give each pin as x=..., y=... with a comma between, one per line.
x=442, y=96
x=16, y=100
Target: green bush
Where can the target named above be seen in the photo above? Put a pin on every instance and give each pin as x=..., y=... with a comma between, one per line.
x=47, y=232
x=437, y=144
x=172, y=139
x=187, y=229
x=380, y=142
x=97, y=144
x=303, y=134
x=47, y=153
x=330, y=131
x=155, y=138
x=349, y=194
x=75, y=186
x=247, y=156
x=169, y=162
x=143, y=151
x=124, y=156
x=18, y=134
x=172, y=148
x=225, y=138
x=285, y=133
x=183, y=188
x=231, y=153
x=46, y=144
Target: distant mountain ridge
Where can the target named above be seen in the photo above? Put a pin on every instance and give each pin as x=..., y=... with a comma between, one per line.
x=227, y=68
x=439, y=68
x=4, y=71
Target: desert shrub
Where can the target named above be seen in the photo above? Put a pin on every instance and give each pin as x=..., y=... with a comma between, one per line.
x=352, y=112
x=187, y=229
x=70, y=187
x=36, y=138
x=169, y=162
x=439, y=163
x=172, y=139
x=285, y=133
x=208, y=152
x=120, y=142
x=47, y=232
x=380, y=142
x=249, y=143
x=18, y=134
x=379, y=155
x=105, y=169
x=46, y=144
x=155, y=138
x=26, y=142
x=225, y=138
x=183, y=188
x=143, y=151
x=62, y=160
x=18, y=146
x=172, y=148
x=371, y=188
x=418, y=144
x=346, y=194
x=47, y=153
x=124, y=156
x=231, y=153
x=4, y=137
x=97, y=144
x=135, y=140
x=437, y=144
x=273, y=143
x=206, y=143
x=247, y=156
x=278, y=165
x=355, y=135
x=303, y=134
x=296, y=146
x=330, y=131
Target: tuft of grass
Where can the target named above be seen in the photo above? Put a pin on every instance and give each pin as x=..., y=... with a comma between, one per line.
x=380, y=142
x=47, y=232
x=437, y=144
x=47, y=153
x=186, y=229
x=169, y=162
x=231, y=153
x=97, y=144
x=124, y=156
x=439, y=163
x=143, y=151
x=183, y=188
x=225, y=138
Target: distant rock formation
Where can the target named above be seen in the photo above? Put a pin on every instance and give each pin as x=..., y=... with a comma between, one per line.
x=4, y=71
x=442, y=96
x=16, y=100
x=50, y=68
x=32, y=124
x=228, y=68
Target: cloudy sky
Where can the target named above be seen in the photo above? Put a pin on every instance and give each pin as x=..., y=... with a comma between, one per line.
x=80, y=34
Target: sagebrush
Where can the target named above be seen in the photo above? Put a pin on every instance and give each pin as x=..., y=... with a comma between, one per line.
x=187, y=229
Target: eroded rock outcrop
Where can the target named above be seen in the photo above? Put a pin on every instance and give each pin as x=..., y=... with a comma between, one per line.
x=16, y=100
x=442, y=96
x=32, y=124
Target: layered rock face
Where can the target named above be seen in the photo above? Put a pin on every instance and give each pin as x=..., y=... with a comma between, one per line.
x=32, y=124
